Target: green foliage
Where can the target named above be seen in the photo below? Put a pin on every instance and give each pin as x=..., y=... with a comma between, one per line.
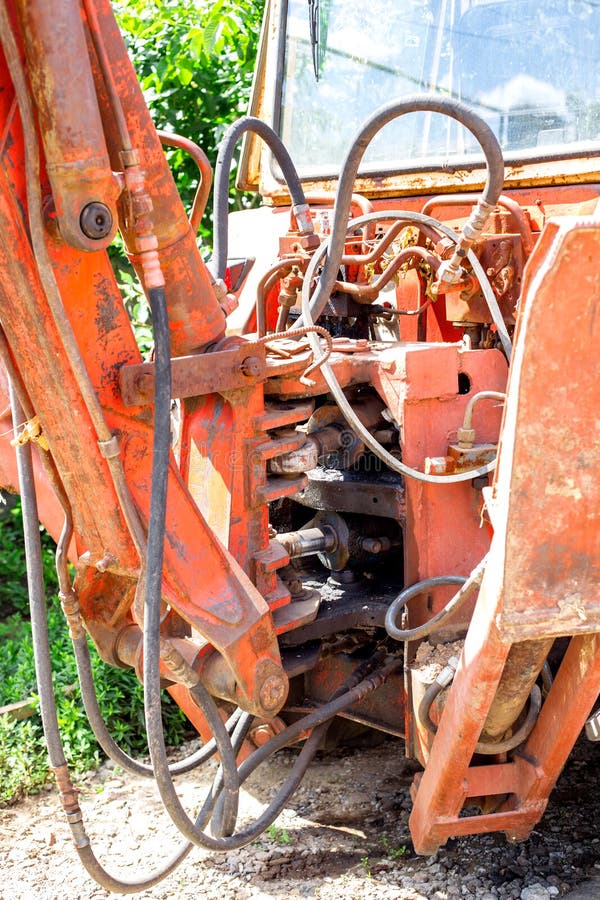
x=195, y=61
x=393, y=852
x=279, y=835
x=13, y=583
x=23, y=760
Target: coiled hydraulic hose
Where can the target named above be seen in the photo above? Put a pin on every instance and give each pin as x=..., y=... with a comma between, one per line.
x=70, y=605
x=416, y=103
x=426, y=222
x=224, y=816
x=468, y=585
x=105, y=739
x=221, y=190
x=485, y=748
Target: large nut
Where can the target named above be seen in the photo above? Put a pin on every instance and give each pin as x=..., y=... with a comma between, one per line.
x=272, y=692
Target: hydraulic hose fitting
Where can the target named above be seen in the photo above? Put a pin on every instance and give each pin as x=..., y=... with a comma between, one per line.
x=446, y=676
x=70, y=607
x=67, y=791
x=303, y=218
x=451, y=271
x=137, y=215
x=178, y=667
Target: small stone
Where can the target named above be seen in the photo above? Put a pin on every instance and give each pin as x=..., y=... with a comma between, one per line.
x=535, y=892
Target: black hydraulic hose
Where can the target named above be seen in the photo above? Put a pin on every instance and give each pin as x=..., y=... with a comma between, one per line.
x=152, y=607
x=313, y=720
x=221, y=184
x=152, y=650
x=468, y=585
x=153, y=596
x=414, y=590
x=36, y=590
x=352, y=692
x=71, y=609
x=218, y=826
x=416, y=103
x=355, y=686
x=108, y=743
x=43, y=670
x=490, y=748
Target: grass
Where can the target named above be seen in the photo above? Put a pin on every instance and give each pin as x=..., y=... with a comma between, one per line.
x=393, y=852
x=278, y=835
x=23, y=759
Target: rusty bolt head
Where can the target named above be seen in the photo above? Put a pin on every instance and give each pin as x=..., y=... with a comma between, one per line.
x=272, y=692
x=371, y=545
x=106, y=562
x=251, y=366
x=96, y=221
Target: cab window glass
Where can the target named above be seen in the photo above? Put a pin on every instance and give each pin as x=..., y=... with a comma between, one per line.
x=531, y=69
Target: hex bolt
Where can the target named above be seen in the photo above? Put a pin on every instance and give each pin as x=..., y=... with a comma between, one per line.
x=251, y=366
x=96, y=221
x=272, y=692
x=261, y=734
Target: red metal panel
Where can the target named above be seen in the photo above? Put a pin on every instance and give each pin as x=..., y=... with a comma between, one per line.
x=550, y=464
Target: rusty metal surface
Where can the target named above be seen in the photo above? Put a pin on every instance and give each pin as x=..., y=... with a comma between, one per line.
x=232, y=601
x=383, y=710
x=196, y=319
x=354, y=492
x=550, y=456
x=522, y=667
x=356, y=610
x=208, y=373
x=75, y=151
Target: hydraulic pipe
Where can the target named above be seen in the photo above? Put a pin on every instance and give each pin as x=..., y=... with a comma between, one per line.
x=195, y=315
x=300, y=208
x=522, y=667
x=522, y=222
x=417, y=103
x=204, y=167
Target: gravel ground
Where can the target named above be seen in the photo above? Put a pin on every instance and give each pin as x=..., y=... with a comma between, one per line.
x=344, y=834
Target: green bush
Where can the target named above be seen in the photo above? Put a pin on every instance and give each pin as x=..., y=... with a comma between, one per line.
x=195, y=61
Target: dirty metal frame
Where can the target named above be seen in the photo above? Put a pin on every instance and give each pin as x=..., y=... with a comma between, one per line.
x=229, y=610
x=226, y=610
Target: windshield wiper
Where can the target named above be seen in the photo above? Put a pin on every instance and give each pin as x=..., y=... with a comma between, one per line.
x=313, y=18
